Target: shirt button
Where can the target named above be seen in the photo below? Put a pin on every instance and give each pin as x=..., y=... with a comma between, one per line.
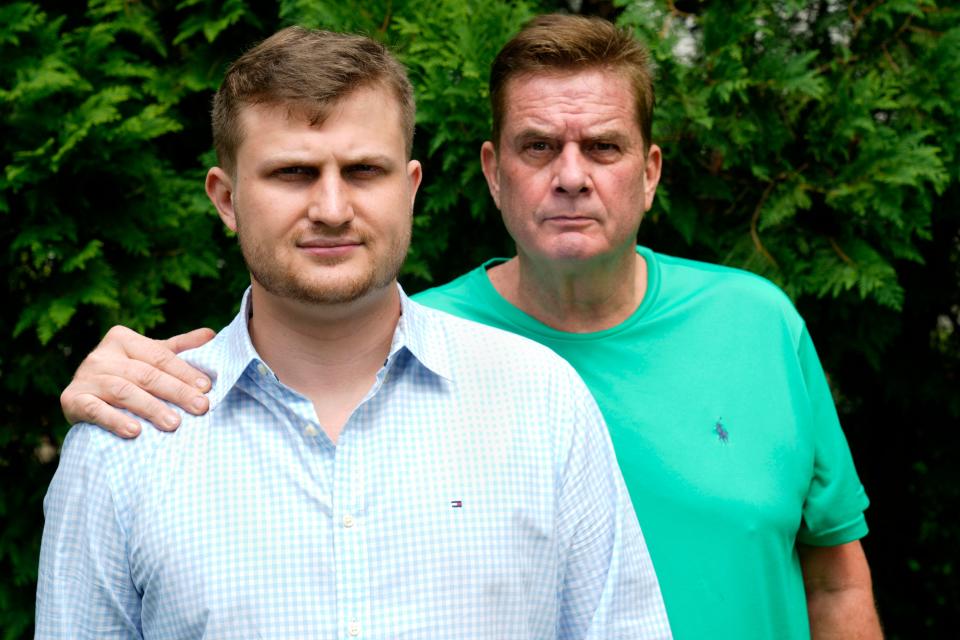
x=310, y=430
x=353, y=628
x=347, y=521
x=262, y=369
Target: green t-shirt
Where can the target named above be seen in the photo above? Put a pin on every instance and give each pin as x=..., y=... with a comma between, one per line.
x=726, y=433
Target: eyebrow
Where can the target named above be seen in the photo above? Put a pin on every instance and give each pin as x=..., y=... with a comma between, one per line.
x=606, y=135
x=378, y=159
x=530, y=132
x=306, y=158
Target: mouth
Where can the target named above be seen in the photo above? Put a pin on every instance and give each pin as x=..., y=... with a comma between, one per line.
x=569, y=220
x=329, y=247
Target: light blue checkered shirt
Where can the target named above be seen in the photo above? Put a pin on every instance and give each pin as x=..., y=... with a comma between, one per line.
x=473, y=493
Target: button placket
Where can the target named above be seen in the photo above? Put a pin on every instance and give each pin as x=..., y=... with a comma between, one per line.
x=350, y=540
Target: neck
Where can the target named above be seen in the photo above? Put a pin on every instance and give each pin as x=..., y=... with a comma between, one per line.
x=578, y=297
x=329, y=353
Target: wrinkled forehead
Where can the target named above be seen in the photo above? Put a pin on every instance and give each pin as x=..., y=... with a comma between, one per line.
x=543, y=95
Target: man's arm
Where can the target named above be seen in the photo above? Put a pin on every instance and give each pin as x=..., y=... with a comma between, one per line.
x=839, y=594
x=84, y=586
x=610, y=589
x=130, y=371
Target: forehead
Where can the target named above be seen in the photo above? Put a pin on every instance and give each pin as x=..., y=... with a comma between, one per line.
x=366, y=117
x=583, y=99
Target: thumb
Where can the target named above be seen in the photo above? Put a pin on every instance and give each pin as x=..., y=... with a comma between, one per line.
x=189, y=340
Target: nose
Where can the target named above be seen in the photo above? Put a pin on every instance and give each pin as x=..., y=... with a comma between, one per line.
x=572, y=172
x=330, y=203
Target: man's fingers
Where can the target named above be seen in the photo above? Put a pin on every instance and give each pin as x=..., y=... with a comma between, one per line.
x=189, y=340
x=182, y=342
x=127, y=371
x=121, y=392
x=93, y=400
x=137, y=377
x=87, y=407
x=162, y=354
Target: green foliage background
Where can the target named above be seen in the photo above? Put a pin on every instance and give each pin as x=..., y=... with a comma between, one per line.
x=815, y=143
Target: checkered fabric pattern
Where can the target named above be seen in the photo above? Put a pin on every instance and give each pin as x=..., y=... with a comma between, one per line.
x=473, y=493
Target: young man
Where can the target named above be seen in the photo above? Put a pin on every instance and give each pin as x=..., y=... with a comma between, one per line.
x=369, y=467
x=717, y=404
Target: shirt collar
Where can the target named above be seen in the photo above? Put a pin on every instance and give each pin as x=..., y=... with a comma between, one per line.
x=421, y=332
x=231, y=353
x=228, y=355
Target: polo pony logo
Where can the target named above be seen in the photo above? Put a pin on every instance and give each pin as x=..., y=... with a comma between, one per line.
x=721, y=431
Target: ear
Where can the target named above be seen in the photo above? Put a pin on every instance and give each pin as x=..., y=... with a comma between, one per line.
x=651, y=175
x=491, y=170
x=219, y=186
x=415, y=175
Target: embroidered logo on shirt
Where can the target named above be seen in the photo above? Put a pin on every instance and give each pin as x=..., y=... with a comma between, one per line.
x=456, y=504
x=721, y=431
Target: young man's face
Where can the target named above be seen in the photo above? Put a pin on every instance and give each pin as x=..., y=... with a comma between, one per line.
x=570, y=176
x=323, y=212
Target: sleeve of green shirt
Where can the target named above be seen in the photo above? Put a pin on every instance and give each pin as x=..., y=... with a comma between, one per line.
x=833, y=511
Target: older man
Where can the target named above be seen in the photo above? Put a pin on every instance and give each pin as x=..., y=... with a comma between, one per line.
x=717, y=405
x=369, y=467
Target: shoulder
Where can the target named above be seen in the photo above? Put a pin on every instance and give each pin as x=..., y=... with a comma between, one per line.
x=514, y=382
x=91, y=449
x=465, y=292
x=478, y=338
x=475, y=350
x=724, y=278
x=725, y=291
x=96, y=471
x=88, y=440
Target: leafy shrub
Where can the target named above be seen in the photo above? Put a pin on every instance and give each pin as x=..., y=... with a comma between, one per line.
x=814, y=143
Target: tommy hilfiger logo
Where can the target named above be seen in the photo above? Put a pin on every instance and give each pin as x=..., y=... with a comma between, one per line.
x=456, y=504
x=721, y=431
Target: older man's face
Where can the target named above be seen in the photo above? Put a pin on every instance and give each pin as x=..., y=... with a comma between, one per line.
x=570, y=175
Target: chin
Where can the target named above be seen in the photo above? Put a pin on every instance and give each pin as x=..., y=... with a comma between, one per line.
x=576, y=250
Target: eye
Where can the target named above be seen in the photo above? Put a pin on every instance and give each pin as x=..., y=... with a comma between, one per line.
x=605, y=147
x=363, y=171
x=604, y=151
x=294, y=173
x=537, y=148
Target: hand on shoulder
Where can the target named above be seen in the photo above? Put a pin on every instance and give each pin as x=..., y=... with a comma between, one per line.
x=130, y=371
